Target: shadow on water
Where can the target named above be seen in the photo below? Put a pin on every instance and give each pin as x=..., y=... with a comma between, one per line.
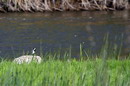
x=20, y=32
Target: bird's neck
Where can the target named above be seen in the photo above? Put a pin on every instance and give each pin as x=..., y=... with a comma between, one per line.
x=33, y=55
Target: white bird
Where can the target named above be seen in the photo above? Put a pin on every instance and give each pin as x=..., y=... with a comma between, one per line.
x=28, y=58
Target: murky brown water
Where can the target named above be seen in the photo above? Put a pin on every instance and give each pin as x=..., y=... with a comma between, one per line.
x=50, y=31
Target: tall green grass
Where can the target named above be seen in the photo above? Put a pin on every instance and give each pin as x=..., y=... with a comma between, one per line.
x=64, y=73
x=103, y=69
x=54, y=71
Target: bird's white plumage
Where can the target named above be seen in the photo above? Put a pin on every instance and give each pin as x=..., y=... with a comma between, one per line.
x=27, y=59
x=33, y=51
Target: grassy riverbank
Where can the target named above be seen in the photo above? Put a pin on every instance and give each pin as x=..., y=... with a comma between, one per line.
x=66, y=73
x=61, y=5
x=104, y=69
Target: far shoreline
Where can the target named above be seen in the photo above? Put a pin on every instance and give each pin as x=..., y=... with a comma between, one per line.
x=32, y=6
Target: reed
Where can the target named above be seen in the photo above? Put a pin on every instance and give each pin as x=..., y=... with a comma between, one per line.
x=103, y=69
x=64, y=73
x=61, y=5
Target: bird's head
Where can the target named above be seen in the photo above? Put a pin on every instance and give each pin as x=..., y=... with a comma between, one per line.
x=33, y=51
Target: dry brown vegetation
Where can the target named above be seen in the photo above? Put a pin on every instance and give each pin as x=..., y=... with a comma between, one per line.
x=61, y=5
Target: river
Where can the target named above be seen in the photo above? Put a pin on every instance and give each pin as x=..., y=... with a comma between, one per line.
x=51, y=31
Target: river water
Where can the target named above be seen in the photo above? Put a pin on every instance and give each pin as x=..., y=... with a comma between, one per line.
x=51, y=31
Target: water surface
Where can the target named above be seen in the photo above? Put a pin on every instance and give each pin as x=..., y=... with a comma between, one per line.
x=51, y=31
